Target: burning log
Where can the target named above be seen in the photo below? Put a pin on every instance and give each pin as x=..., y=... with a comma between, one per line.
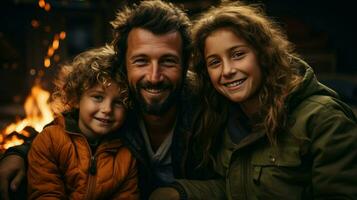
x=32, y=133
x=17, y=138
x=38, y=114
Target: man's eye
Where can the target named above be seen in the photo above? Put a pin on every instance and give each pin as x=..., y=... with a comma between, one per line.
x=169, y=62
x=140, y=62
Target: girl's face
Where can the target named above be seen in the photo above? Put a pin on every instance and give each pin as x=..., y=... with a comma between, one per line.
x=100, y=111
x=233, y=67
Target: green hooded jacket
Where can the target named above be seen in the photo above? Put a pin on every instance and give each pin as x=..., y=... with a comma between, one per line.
x=315, y=159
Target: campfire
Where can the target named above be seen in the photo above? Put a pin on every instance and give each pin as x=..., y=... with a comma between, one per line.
x=38, y=114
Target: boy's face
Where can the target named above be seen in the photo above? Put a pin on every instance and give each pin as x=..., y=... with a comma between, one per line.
x=100, y=111
x=154, y=70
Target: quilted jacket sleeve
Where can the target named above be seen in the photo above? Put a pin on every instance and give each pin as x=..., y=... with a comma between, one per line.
x=44, y=179
x=201, y=189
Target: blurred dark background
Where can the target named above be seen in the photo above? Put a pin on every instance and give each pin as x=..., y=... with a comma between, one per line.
x=37, y=35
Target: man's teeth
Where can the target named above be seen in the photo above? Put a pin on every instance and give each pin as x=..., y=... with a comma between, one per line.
x=235, y=83
x=151, y=90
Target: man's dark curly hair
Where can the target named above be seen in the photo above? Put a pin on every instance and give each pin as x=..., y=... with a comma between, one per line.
x=155, y=16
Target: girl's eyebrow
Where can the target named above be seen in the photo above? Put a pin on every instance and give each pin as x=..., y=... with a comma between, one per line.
x=238, y=46
x=229, y=49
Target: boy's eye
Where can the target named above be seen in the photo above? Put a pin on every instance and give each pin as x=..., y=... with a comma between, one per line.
x=97, y=97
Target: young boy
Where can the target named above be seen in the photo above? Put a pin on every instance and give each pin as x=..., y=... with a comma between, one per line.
x=79, y=155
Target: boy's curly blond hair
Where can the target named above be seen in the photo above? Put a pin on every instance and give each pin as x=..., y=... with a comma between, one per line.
x=92, y=67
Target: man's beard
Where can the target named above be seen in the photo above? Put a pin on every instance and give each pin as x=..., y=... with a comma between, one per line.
x=156, y=106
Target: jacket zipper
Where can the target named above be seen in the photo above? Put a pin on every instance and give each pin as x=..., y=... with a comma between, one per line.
x=92, y=170
x=92, y=173
x=92, y=177
x=93, y=166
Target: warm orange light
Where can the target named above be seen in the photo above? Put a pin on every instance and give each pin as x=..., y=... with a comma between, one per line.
x=35, y=23
x=13, y=141
x=37, y=109
x=47, y=7
x=38, y=114
x=62, y=35
x=47, y=62
x=55, y=44
x=41, y=3
x=50, y=52
x=56, y=58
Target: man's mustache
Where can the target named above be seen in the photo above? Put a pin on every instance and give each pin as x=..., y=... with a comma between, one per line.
x=159, y=86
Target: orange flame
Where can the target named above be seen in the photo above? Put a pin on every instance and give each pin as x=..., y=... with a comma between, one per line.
x=38, y=114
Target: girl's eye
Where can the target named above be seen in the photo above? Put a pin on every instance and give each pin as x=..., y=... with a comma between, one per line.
x=213, y=63
x=237, y=54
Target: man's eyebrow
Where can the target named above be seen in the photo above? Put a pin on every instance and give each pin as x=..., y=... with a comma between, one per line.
x=171, y=56
x=138, y=56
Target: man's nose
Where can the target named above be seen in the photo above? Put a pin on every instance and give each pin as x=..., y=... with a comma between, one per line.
x=155, y=73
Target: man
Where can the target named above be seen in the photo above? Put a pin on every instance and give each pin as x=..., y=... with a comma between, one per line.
x=152, y=41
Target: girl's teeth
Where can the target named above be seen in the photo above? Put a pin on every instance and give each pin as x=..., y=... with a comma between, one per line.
x=235, y=83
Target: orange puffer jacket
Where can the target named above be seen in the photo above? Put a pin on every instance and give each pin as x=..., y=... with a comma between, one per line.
x=62, y=166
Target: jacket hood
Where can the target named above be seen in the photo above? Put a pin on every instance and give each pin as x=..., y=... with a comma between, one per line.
x=309, y=86
x=67, y=120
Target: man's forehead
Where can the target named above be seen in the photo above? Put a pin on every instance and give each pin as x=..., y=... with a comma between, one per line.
x=142, y=40
x=147, y=34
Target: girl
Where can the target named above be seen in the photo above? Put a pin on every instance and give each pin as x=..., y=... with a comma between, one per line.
x=80, y=155
x=268, y=127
